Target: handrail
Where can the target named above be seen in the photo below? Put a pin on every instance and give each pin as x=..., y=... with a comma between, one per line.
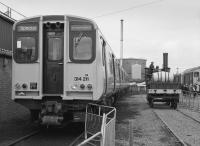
x=10, y=11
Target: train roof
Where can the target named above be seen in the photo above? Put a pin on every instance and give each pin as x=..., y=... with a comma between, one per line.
x=54, y=16
x=191, y=69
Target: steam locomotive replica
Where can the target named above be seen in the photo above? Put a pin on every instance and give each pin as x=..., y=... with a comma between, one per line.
x=159, y=86
x=61, y=63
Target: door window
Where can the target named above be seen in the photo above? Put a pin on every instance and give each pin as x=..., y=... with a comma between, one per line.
x=55, y=48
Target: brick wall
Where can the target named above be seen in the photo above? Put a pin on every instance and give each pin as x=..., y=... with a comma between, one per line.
x=8, y=108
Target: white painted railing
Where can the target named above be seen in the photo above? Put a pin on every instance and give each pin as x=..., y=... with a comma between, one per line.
x=99, y=125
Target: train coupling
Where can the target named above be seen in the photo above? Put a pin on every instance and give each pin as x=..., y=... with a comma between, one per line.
x=51, y=113
x=52, y=120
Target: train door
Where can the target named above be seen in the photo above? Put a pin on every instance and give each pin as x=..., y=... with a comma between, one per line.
x=53, y=60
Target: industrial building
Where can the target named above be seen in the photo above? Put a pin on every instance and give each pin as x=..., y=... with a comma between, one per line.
x=6, y=24
x=135, y=69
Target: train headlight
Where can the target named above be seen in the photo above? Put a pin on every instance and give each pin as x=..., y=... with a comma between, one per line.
x=74, y=87
x=89, y=86
x=82, y=86
x=24, y=86
x=17, y=86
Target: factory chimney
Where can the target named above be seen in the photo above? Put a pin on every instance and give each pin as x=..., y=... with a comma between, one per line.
x=121, y=44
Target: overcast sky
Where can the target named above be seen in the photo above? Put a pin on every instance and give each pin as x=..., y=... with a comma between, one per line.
x=151, y=27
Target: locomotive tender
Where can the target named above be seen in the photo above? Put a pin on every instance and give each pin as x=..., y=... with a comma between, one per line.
x=60, y=64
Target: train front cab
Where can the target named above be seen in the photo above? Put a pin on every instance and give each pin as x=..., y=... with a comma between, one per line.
x=54, y=64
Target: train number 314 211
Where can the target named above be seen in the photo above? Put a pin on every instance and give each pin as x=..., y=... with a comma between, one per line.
x=81, y=78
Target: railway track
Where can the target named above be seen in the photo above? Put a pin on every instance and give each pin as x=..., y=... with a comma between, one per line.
x=13, y=143
x=53, y=136
x=183, y=126
x=179, y=140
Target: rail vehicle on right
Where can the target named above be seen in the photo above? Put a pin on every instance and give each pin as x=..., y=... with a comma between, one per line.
x=160, y=88
x=189, y=76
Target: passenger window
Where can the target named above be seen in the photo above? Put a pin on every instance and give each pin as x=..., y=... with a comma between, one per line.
x=25, y=50
x=103, y=51
x=55, y=48
x=111, y=64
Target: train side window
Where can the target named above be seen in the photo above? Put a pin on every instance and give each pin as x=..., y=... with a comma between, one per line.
x=196, y=74
x=103, y=51
x=111, y=64
x=25, y=50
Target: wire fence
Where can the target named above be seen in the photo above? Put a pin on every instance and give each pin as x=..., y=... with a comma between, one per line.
x=99, y=126
x=190, y=100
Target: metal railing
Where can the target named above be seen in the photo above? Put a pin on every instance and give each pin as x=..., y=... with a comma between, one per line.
x=190, y=100
x=99, y=125
x=9, y=12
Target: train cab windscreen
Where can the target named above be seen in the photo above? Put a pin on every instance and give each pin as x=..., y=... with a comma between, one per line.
x=81, y=42
x=25, y=46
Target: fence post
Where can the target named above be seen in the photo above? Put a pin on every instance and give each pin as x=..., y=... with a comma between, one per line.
x=103, y=130
x=86, y=122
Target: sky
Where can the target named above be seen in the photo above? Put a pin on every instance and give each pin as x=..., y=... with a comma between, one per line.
x=151, y=27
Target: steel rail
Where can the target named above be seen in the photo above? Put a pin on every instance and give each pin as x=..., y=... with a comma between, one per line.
x=23, y=138
x=188, y=116
x=170, y=130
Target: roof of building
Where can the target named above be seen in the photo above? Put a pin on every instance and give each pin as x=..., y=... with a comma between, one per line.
x=134, y=59
x=191, y=69
x=7, y=18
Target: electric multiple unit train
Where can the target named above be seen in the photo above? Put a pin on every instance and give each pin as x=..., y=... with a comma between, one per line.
x=60, y=64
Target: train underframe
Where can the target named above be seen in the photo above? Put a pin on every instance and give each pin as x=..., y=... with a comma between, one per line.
x=170, y=99
x=55, y=111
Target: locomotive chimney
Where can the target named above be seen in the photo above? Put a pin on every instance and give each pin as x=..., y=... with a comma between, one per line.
x=165, y=62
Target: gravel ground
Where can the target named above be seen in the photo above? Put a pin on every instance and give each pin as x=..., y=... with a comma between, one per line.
x=137, y=124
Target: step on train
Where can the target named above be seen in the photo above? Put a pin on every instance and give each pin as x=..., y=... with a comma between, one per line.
x=60, y=64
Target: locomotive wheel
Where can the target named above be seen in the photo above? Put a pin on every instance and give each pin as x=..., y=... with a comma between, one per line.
x=151, y=104
x=171, y=104
x=34, y=114
x=175, y=105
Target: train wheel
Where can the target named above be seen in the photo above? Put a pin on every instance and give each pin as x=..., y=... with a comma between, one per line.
x=68, y=116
